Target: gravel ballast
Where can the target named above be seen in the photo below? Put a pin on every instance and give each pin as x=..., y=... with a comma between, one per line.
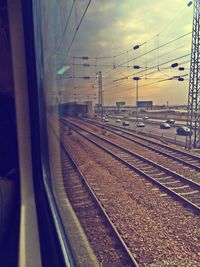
x=157, y=229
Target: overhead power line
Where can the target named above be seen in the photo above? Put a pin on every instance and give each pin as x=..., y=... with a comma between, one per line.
x=161, y=64
x=66, y=25
x=78, y=26
x=148, y=52
x=115, y=67
x=154, y=49
x=155, y=66
x=140, y=44
x=136, y=74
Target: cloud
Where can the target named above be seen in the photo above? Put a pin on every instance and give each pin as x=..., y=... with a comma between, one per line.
x=114, y=27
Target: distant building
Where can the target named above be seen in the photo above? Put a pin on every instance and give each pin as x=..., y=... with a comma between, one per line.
x=75, y=109
x=145, y=104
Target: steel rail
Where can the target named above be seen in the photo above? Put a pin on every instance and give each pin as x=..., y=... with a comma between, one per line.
x=173, y=174
x=97, y=202
x=115, y=129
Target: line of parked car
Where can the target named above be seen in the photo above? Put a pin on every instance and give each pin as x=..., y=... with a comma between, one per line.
x=127, y=123
x=182, y=130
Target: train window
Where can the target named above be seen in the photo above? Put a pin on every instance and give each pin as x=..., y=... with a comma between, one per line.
x=122, y=196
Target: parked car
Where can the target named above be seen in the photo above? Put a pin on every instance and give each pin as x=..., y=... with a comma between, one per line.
x=118, y=120
x=140, y=124
x=170, y=121
x=165, y=125
x=126, y=116
x=184, y=131
x=119, y=117
x=145, y=118
x=106, y=120
x=125, y=123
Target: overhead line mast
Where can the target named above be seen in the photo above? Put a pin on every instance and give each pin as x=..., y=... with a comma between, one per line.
x=193, y=118
x=100, y=95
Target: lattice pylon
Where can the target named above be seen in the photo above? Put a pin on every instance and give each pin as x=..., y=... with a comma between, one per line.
x=100, y=99
x=193, y=118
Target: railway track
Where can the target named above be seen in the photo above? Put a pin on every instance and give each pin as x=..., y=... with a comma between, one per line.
x=178, y=186
x=186, y=159
x=105, y=240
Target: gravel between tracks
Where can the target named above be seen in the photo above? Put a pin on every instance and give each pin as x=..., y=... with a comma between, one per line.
x=156, y=228
x=147, y=153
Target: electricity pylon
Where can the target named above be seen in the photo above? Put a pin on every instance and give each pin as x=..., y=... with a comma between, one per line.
x=100, y=99
x=193, y=118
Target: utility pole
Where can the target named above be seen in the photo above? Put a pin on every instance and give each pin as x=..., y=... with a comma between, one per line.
x=100, y=99
x=193, y=117
x=136, y=79
x=137, y=99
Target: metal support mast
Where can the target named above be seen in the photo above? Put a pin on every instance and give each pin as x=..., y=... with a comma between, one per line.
x=137, y=91
x=137, y=100
x=100, y=99
x=193, y=119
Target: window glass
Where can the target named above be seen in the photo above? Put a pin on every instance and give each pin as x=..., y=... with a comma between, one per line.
x=113, y=69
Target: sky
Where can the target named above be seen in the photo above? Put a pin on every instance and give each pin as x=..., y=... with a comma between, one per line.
x=107, y=34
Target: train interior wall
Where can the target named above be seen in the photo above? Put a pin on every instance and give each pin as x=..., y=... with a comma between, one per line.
x=9, y=177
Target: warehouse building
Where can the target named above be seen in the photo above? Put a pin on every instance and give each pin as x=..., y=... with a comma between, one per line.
x=76, y=109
